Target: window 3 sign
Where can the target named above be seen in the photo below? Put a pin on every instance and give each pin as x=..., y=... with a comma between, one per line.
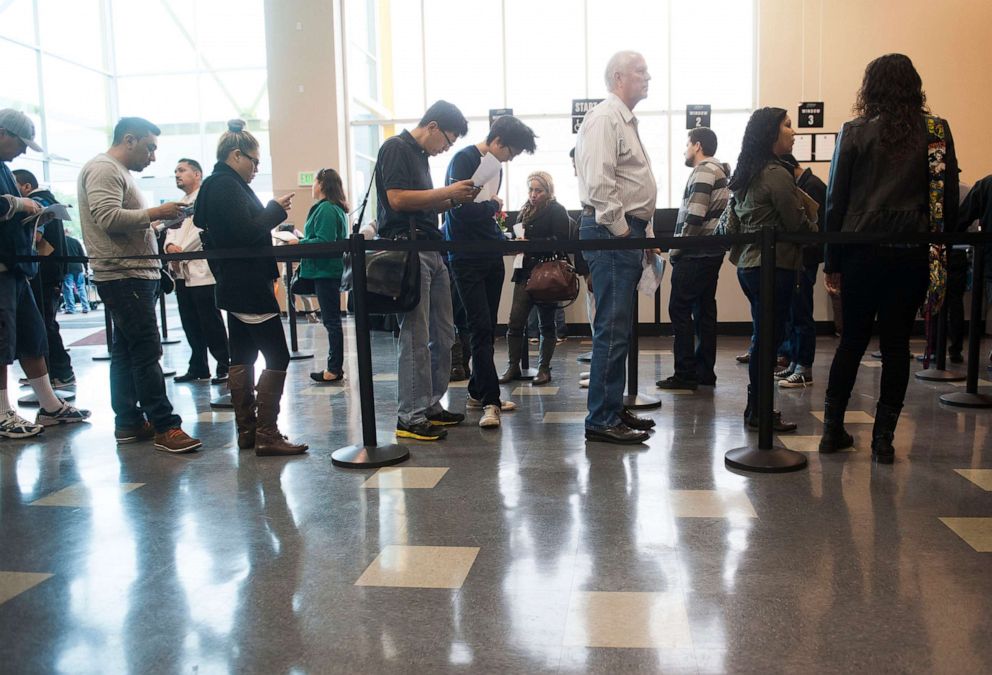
x=811, y=115
x=697, y=116
x=580, y=106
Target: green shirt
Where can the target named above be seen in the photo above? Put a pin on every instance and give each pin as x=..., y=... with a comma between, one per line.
x=326, y=223
x=772, y=200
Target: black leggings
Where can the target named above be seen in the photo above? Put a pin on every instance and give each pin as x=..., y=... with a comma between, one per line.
x=889, y=284
x=247, y=339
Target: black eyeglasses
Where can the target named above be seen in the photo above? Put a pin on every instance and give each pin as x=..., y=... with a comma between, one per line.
x=254, y=160
x=447, y=140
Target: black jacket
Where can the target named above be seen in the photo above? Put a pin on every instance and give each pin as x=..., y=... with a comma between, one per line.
x=811, y=184
x=552, y=223
x=871, y=190
x=977, y=205
x=74, y=248
x=231, y=216
x=49, y=271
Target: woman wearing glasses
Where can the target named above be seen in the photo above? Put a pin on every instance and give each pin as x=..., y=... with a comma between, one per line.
x=232, y=217
x=327, y=222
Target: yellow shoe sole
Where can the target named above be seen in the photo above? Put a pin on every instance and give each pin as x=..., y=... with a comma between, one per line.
x=401, y=433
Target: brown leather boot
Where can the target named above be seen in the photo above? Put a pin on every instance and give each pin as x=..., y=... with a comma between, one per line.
x=268, y=440
x=241, y=382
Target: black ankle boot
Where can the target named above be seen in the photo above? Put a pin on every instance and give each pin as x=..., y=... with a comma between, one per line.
x=752, y=421
x=747, y=407
x=834, y=436
x=886, y=417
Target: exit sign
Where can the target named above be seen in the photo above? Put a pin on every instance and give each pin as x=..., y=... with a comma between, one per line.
x=306, y=179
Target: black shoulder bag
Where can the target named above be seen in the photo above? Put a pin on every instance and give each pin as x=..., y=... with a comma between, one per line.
x=392, y=277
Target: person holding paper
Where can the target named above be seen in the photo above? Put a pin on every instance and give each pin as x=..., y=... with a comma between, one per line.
x=618, y=193
x=407, y=196
x=695, y=272
x=479, y=276
x=541, y=218
x=195, y=285
x=50, y=241
x=22, y=329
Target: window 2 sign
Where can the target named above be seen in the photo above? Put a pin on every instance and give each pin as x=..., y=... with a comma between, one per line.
x=697, y=116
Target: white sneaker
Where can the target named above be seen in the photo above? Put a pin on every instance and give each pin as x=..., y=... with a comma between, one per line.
x=475, y=403
x=584, y=375
x=584, y=384
x=490, y=417
x=67, y=414
x=796, y=380
x=13, y=425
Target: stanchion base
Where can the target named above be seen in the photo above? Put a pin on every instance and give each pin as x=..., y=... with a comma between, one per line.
x=222, y=403
x=527, y=374
x=962, y=399
x=102, y=357
x=299, y=356
x=584, y=358
x=775, y=460
x=641, y=402
x=934, y=375
x=369, y=456
x=170, y=341
x=31, y=401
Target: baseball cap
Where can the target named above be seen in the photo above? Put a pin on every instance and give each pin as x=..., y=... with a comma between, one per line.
x=20, y=125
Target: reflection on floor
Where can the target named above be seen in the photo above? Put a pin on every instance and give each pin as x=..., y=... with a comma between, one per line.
x=522, y=550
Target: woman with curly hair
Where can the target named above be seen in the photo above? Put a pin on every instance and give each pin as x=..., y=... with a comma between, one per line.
x=890, y=166
x=765, y=195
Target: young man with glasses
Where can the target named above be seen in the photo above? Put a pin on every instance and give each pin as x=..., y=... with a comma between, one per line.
x=406, y=195
x=479, y=275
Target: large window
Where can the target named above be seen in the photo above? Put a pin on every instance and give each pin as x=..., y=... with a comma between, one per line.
x=187, y=66
x=535, y=57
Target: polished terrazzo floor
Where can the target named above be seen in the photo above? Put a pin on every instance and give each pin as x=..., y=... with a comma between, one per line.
x=523, y=550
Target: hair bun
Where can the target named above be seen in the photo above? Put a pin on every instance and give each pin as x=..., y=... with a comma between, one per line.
x=236, y=125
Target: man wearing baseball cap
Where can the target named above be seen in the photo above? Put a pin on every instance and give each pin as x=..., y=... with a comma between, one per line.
x=22, y=330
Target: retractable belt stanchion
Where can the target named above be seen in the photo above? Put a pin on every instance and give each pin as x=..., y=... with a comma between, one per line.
x=164, y=325
x=970, y=398
x=368, y=454
x=634, y=399
x=526, y=372
x=938, y=372
x=766, y=458
x=109, y=329
x=294, y=348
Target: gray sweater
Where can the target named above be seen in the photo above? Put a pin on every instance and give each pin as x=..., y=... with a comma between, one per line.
x=115, y=222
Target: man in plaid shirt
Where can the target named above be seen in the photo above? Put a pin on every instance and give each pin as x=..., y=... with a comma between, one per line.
x=692, y=306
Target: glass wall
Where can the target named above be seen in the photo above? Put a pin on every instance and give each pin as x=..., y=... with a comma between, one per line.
x=535, y=57
x=187, y=66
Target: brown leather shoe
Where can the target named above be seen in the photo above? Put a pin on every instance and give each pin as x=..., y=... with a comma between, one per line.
x=176, y=441
x=124, y=435
x=268, y=441
x=543, y=377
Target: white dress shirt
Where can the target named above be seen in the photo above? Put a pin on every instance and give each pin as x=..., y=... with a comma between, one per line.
x=187, y=237
x=613, y=168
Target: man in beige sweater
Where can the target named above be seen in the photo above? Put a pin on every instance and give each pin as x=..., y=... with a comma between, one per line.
x=116, y=224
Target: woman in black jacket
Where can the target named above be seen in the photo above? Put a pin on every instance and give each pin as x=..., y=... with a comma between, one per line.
x=541, y=218
x=232, y=217
x=880, y=181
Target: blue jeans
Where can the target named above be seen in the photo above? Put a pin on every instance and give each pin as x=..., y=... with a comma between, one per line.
x=135, y=372
x=329, y=297
x=750, y=280
x=426, y=335
x=75, y=284
x=534, y=325
x=614, y=277
x=801, y=329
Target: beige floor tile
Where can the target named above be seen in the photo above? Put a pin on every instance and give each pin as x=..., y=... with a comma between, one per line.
x=980, y=477
x=674, y=392
x=871, y=364
x=425, y=477
x=710, y=504
x=323, y=390
x=460, y=384
x=806, y=443
x=654, y=352
x=420, y=567
x=565, y=417
x=850, y=417
x=534, y=391
x=82, y=495
x=384, y=377
x=977, y=532
x=215, y=417
x=13, y=584
x=964, y=383
x=627, y=620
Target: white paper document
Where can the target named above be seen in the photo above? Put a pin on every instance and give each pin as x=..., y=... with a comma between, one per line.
x=518, y=261
x=652, y=274
x=56, y=210
x=802, y=148
x=487, y=178
x=825, y=147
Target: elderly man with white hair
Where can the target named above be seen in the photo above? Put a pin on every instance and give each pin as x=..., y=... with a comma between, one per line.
x=618, y=194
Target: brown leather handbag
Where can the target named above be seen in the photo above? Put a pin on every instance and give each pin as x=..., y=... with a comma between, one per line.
x=553, y=281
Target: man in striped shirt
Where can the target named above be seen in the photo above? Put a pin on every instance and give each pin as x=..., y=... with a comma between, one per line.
x=692, y=305
x=618, y=194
